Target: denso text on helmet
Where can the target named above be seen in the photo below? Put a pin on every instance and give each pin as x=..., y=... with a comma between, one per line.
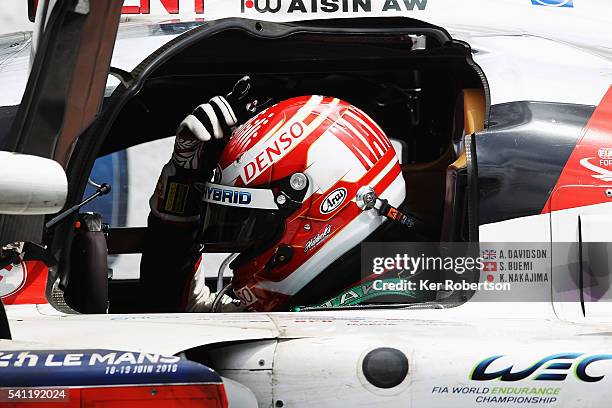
x=275, y=149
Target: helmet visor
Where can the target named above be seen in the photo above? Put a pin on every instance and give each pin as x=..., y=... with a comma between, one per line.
x=236, y=219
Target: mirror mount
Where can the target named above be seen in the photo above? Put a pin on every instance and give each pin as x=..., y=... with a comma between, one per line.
x=32, y=6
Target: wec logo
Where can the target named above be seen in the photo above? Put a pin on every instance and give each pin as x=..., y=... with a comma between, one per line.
x=540, y=370
x=553, y=3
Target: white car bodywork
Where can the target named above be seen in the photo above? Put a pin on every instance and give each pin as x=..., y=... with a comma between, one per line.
x=31, y=185
x=324, y=350
x=528, y=52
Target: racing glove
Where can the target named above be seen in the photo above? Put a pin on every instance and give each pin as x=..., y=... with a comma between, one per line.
x=196, y=148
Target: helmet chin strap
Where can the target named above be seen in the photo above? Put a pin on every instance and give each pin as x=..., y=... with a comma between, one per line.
x=368, y=200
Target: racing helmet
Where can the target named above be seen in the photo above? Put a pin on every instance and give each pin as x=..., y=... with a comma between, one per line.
x=286, y=195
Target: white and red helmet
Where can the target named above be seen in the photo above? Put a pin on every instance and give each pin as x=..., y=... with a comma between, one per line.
x=284, y=194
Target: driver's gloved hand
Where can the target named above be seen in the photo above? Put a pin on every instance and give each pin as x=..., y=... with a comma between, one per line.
x=209, y=121
x=199, y=142
x=200, y=139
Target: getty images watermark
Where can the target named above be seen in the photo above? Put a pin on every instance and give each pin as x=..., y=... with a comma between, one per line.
x=410, y=265
x=457, y=272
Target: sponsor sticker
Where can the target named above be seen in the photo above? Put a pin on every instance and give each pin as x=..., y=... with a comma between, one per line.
x=227, y=195
x=66, y=368
x=555, y=367
x=333, y=200
x=317, y=239
x=95, y=358
x=330, y=6
x=486, y=396
x=605, y=153
x=273, y=151
x=177, y=198
x=601, y=165
x=517, y=380
x=238, y=196
x=246, y=295
x=170, y=7
x=372, y=290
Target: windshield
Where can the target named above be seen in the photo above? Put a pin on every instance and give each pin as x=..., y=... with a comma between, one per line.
x=136, y=40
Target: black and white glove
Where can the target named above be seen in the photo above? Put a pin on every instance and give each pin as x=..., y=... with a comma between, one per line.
x=212, y=120
x=175, y=199
x=198, y=144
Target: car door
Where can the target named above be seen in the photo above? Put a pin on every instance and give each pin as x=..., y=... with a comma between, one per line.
x=74, y=44
x=580, y=222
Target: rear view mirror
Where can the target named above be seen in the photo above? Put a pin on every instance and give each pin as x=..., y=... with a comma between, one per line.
x=31, y=185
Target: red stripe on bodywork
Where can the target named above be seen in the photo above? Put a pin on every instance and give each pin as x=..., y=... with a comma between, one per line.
x=587, y=165
x=32, y=289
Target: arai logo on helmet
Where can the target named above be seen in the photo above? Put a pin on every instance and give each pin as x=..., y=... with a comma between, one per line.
x=333, y=200
x=553, y=3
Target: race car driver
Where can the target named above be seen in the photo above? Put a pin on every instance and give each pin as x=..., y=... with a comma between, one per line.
x=293, y=191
